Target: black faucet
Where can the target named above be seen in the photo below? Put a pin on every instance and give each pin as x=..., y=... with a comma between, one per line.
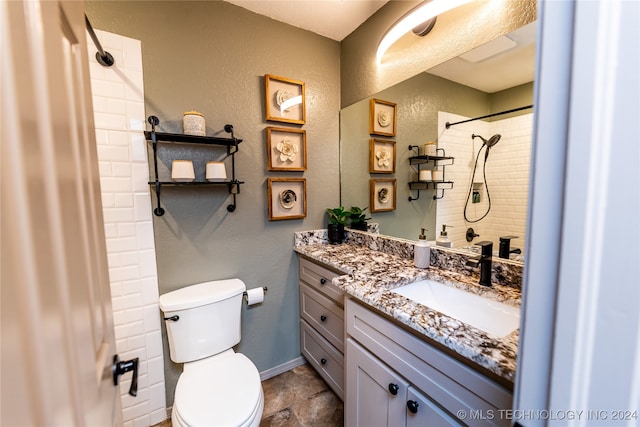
x=504, y=248
x=484, y=262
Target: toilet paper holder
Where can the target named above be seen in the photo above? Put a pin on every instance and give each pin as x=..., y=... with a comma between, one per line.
x=244, y=294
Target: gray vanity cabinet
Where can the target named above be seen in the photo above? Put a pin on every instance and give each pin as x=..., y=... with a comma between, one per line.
x=378, y=396
x=322, y=322
x=394, y=375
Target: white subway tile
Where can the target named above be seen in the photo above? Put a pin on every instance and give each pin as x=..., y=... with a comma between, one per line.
x=118, y=215
x=150, y=294
x=104, y=169
x=134, y=90
x=135, y=411
x=120, y=274
x=128, y=258
x=147, y=264
x=152, y=318
x=140, y=178
x=138, y=146
x=121, y=169
x=158, y=416
x=132, y=52
x=108, y=89
x=113, y=153
x=123, y=200
x=118, y=137
x=154, y=344
x=156, y=396
x=116, y=106
x=110, y=230
x=144, y=232
x=108, y=200
x=131, y=287
x=126, y=229
x=155, y=374
x=122, y=244
x=142, y=203
x=115, y=184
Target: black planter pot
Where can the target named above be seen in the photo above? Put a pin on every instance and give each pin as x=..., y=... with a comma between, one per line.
x=362, y=226
x=335, y=233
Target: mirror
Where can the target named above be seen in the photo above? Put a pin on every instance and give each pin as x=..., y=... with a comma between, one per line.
x=492, y=78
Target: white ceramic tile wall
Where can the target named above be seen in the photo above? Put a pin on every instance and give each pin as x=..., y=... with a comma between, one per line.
x=507, y=174
x=118, y=99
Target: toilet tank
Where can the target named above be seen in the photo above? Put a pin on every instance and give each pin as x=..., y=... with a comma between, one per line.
x=203, y=319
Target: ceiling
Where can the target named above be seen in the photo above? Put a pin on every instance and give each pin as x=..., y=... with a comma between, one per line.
x=335, y=19
x=502, y=63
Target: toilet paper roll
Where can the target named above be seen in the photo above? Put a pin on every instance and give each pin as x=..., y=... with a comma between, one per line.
x=255, y=296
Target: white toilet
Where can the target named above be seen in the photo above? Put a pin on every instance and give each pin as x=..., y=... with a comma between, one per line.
x=218, y=386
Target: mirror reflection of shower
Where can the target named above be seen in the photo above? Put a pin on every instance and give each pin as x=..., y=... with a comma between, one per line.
x=487, y=146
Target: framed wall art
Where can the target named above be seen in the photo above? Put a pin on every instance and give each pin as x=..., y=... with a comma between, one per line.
x=284, y=100
x=286, y=198
x=382, y=156
x=382, y=195
x=382, y=118
x=286, y=149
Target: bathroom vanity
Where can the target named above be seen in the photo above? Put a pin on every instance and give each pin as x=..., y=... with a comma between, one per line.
x=404, y=362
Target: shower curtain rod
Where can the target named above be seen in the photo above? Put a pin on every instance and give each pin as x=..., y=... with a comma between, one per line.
x=103, y=57
x=448, y=125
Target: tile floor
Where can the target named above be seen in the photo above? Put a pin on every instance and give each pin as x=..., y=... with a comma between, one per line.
x=297, y=398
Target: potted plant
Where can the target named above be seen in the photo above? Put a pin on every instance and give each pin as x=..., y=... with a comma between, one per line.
x=358, y=218
x=338, y=218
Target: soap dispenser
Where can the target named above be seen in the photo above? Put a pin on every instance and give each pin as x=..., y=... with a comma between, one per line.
x=421, y=252
x=443, y=239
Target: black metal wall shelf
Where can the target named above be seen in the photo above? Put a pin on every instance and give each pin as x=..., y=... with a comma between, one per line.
x=231, y=144
x=418, y=160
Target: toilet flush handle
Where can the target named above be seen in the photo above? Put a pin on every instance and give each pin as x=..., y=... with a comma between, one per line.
x=120, y=368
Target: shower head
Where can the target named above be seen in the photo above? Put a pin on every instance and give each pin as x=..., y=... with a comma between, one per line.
x=491, y=142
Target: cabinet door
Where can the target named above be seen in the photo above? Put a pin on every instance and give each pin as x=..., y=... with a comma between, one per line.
x=422, y=412
x=376, y=396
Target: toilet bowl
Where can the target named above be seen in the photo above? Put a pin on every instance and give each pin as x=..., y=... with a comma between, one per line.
x=218, y=387
x=223, y=390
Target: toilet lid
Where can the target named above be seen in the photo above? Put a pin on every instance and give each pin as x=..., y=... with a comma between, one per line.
x=222, y=393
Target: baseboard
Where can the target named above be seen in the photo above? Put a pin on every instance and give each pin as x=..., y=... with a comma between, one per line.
x=277, y=370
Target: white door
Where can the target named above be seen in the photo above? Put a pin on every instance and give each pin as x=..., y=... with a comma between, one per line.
x=57, y=329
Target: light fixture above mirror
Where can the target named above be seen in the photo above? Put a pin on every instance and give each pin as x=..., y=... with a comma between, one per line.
x=420, y=15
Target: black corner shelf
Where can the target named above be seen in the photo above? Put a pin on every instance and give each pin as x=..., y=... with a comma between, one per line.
x=418, y=160
x=230, y=143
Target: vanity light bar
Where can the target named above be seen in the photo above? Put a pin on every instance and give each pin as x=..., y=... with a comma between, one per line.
x=417, y=16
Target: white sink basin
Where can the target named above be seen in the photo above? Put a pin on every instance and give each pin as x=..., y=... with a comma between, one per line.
x=490, y=316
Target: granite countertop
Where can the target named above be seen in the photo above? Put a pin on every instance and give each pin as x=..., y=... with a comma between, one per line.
x=371, y=275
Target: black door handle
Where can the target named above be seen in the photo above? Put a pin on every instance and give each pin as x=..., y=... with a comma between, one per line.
x=412, y=405
x=120, y=368
x=323, y=361
x=323, y=318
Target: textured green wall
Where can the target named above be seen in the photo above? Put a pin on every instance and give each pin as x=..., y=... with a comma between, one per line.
x=212, y=56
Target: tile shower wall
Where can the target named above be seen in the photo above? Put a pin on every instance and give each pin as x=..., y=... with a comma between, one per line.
x=118, y=102
x=507, y=176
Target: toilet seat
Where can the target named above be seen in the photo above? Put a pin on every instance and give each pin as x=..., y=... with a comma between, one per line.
x=223, y=390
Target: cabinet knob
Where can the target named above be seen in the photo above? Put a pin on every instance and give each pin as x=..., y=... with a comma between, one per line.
x=323, y=281
x=323, y=318
x=393, y=388
x=323, y=361
x=412, y=405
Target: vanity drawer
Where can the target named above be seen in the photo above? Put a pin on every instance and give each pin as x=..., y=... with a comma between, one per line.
x=328, y=361
x=325, y=315
x=319, y=278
